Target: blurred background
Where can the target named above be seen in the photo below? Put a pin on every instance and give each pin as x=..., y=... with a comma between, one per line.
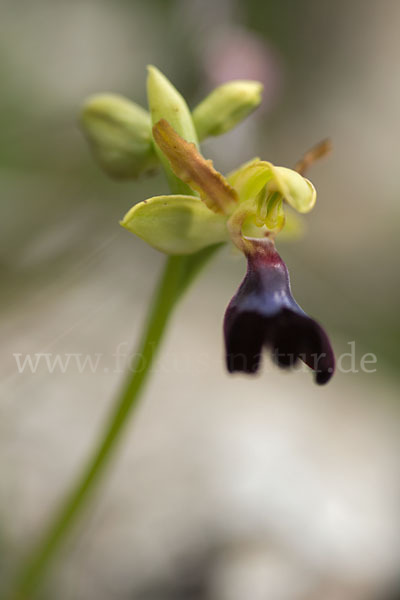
x=224, y=487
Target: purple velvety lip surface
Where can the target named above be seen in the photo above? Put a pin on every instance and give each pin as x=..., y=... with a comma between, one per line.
x=263, y=313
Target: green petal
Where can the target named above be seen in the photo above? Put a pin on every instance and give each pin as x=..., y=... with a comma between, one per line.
x=119, y=134
x=176, y=224
x=226, y=106
x=275, y=218
x=251, y=177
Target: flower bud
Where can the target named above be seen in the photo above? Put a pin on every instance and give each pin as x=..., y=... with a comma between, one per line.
x=165, y=102
x=119, y=133
x=225, y=107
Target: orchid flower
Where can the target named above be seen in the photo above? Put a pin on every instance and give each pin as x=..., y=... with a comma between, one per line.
x=246, y=207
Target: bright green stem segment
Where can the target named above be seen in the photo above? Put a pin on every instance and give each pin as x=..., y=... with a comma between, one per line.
x=178, y=273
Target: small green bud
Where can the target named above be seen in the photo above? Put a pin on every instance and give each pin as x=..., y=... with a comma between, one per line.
x=165, y=102
x=176, y=224
x=226, y=106
x=119, y=134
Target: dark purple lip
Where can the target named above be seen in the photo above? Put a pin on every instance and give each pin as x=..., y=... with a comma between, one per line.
x=263, y=313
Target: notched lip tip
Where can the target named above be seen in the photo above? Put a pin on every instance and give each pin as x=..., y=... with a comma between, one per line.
x=232, y=369
x=323, y=377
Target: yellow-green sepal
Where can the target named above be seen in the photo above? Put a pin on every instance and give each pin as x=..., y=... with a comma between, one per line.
x=253, y=176
x=119, y=134
x=249, y=179
x=226, y=106
x=298, y=191
x=176, y=224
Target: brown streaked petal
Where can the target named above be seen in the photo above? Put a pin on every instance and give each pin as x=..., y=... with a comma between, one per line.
x=192, y=168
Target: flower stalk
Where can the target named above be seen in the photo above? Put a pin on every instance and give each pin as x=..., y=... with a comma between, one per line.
x=170, y=289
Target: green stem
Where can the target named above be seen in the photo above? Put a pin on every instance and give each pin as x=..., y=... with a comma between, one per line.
x=178, y=273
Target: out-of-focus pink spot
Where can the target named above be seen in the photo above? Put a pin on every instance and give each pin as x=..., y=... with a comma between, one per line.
x=239, y=54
